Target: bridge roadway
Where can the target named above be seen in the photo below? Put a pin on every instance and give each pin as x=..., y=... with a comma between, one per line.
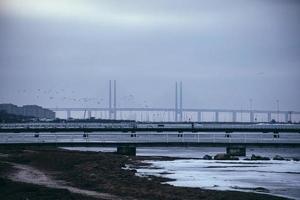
x=287, y=114
x=173, y=110
x=149, y=127
x=150, y=134
x=151, y=139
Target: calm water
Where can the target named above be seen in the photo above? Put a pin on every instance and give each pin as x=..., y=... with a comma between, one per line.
x=279, y=177
x=196, y=152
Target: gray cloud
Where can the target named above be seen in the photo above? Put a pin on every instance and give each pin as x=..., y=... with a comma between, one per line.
x=225, y=52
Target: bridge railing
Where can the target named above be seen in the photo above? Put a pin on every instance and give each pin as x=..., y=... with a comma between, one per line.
x=161, y=126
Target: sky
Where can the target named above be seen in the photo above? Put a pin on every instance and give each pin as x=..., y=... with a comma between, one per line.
x=62, y=53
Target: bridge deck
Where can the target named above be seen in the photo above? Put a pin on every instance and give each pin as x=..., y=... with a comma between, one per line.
x=147, y=127
x=151, y=139
x=150, y=134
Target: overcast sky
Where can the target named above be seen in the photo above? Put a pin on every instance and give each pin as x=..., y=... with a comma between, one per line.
x=61, y=53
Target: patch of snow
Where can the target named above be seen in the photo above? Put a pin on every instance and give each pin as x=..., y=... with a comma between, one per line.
x=279, y=177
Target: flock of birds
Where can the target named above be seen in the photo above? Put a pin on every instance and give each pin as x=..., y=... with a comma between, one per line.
x=60, y=95
x=67, y=96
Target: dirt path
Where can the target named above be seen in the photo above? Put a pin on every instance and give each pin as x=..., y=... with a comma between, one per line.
x=28, y=174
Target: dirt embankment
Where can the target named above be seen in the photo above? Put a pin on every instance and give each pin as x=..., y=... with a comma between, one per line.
x=102, y=173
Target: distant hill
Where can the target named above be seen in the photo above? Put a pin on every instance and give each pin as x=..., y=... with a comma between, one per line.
x=12, y=118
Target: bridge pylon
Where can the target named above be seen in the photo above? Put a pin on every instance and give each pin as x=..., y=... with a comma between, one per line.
x=112, y=105
x=178, y=104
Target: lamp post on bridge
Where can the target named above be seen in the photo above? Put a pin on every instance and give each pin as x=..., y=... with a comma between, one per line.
x=251, y=110
x=277, y=105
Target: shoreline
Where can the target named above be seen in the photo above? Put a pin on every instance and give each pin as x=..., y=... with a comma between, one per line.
x=106, y=173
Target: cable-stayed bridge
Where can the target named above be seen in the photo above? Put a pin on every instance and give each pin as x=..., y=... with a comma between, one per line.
x=178, y=113
x=187, y=114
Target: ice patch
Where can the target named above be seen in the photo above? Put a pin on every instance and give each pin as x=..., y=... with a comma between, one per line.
x=277, y=177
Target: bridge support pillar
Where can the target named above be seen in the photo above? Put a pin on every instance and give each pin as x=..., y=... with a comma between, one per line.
x=217, y=116
x=251, y=116
x=199, y=116
x=178, y=107
x=234, y=116
x=290, y=117
x=115, y=100
x=286, y=117
x=236, y=151
x=269, y=117
x=115, y=115
x=68, y=114
x=89, y=114
x=126, y=150
x=112, y=106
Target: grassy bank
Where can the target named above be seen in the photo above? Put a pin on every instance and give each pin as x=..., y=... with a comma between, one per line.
x=100, y=172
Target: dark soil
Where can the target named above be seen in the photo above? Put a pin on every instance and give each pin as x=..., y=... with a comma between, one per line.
x=100, y=172
x=10, y=190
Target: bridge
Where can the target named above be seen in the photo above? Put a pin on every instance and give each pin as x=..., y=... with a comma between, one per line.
x=178, y=113
x=186, y=114
x=150, y=134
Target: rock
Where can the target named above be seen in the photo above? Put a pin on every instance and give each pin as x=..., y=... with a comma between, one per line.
x=258, y=189
x=277, y=157
x=207, y=157
x=296, y=159
x=254, y=157
x=126, y=150
x=221, y=156
x=236, y=150
x=261, y=189
x=224, y=156
x=93, y=176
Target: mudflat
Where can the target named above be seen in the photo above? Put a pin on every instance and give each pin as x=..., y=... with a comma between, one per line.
x=52, y=173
